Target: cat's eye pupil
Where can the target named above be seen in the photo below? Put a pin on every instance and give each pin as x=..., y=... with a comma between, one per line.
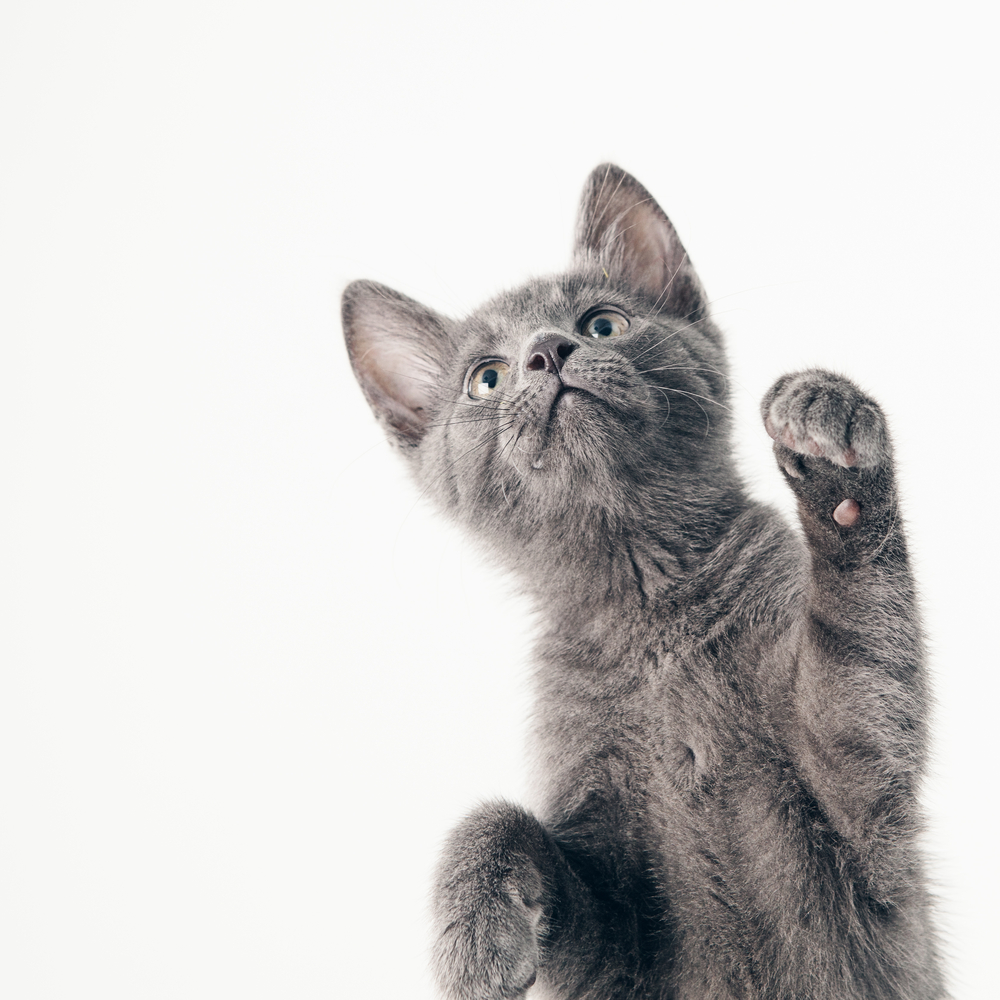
x=607, y=323
x=486, y=378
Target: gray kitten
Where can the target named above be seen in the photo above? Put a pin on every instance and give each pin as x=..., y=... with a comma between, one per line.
x=731, y=715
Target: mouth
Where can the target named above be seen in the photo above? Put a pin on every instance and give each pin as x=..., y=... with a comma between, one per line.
x=565, y=391
x=561, y=395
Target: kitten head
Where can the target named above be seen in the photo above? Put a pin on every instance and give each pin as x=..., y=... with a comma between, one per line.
x=588, y=403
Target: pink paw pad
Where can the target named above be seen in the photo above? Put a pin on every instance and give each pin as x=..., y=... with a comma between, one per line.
x=847, y=512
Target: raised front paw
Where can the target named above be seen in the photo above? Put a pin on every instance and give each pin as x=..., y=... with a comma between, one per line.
x=489, y=905
x=821, y=415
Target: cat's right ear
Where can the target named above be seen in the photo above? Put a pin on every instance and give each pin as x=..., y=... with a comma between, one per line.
x=396, y=347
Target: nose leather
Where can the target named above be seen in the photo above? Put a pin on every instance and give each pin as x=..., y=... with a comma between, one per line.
x=549, y=354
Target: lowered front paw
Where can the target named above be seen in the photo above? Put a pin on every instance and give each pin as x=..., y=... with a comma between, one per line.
x=488, y=907
x=821, y=415
x=490, y=946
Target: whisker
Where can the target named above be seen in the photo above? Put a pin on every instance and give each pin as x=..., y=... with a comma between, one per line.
x=695, y=395
x=708, y=422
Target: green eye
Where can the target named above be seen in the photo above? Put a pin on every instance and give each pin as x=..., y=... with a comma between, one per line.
x=487, y=378
x=605, y=324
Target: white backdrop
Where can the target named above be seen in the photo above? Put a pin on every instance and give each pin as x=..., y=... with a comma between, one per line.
x=244, y=692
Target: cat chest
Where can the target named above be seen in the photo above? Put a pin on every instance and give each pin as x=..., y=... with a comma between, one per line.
x=669, y=736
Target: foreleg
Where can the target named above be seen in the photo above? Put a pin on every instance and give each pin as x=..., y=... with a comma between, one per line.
x=503, y=896
x=859, y=705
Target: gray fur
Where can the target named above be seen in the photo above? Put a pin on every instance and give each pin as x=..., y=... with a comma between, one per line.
x=731, y=717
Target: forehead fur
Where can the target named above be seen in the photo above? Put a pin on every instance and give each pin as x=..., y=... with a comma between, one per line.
x=553, y=303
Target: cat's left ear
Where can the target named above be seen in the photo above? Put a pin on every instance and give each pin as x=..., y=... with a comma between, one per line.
x=396, y=347
x=621, y=225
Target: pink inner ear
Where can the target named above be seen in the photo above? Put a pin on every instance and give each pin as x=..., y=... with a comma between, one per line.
x=649, y=250
x=621, y=224
x=399, y=350
x=399, y=372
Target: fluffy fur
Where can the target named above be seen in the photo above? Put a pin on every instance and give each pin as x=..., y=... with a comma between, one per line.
x=730, y=716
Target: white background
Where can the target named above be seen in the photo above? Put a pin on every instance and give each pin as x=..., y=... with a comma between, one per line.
x=248, y=681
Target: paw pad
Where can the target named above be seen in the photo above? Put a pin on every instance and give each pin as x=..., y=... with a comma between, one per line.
x=847, y=512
